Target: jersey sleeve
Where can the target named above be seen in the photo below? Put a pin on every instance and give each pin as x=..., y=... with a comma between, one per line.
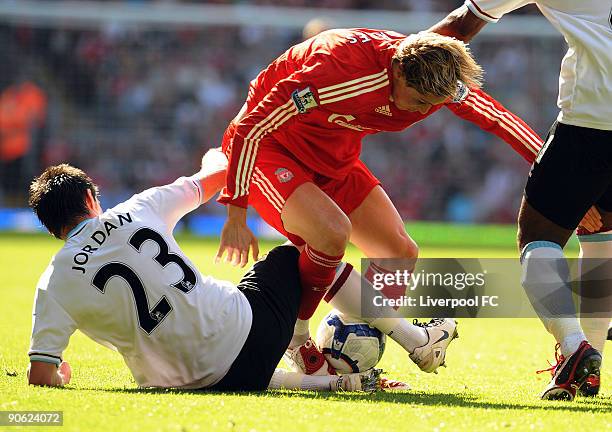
x=290, y=96
x=52, y=327
x=480, y=108
x=173, y=201
x=493, y=10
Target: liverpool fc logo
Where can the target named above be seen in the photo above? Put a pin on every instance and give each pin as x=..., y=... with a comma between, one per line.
x=283, y=175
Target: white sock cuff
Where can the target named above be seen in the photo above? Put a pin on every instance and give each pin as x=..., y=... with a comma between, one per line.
x=542, y=249
x=605, y=236
x=597, y=245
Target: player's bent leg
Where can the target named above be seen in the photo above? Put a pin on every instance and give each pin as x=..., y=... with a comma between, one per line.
x=316, y=218
x=395, y=250
x=546, y=276
x=312, y=215
x=425, y=343
x=575, y=163
x=273, y=289
x=278, y=185
x=376, y=239
x=387, y=245
x=596, y=276
x=595, y=293
x=534, y=226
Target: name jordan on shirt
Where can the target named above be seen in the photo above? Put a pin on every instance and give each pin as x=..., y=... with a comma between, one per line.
x=98, y=237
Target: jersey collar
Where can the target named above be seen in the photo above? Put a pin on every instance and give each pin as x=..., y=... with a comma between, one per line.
x=77, y=229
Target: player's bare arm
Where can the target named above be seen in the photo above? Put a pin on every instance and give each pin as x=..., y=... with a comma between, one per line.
x=213, y=172
x=460, y=23
x=236, y=238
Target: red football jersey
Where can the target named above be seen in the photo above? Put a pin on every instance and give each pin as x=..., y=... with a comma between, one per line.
x=322, y=96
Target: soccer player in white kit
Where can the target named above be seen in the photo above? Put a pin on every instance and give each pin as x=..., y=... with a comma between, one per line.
x=572, y=173
x=122, y=280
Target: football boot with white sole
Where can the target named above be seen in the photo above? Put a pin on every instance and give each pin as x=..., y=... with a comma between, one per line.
x=440, y=333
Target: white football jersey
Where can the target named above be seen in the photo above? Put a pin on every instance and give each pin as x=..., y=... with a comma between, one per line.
x=585, y=81
x=122, y=280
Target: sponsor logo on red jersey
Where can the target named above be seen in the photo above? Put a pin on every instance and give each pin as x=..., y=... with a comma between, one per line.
x=344, y=120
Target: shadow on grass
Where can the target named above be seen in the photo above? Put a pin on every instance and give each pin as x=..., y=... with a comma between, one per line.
x=602, y=404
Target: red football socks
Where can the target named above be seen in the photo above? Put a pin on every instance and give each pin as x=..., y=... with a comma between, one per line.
x=317, y=271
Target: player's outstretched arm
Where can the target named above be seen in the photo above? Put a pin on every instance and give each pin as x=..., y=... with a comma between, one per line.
x=461, y=23
x=48, y=374
x=276, y=109
x=236, y=237
x=488, y=114
x=213, y=172
x=368, y=381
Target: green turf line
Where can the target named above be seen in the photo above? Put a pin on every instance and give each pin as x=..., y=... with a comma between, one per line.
x=438, y=234
x=464, y=235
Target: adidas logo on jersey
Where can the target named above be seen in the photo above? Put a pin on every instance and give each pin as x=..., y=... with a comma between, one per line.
x=384, y=110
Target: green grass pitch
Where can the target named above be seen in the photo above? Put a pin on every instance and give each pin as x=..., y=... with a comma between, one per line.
x=490, y=382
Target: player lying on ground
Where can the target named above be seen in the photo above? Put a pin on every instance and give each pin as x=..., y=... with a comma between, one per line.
x=122, y=280
x=294, y=149
x=576, y=162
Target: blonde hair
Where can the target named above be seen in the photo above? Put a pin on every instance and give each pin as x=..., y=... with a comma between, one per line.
x=433, y=64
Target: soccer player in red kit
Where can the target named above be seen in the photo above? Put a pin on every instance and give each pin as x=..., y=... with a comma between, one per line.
x=294, y=149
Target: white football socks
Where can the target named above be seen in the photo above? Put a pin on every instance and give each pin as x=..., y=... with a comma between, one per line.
x=282, y=379
x=347, y=299
x=546, y=282
x=301, y=333
x=596, y=269
x=406, y=334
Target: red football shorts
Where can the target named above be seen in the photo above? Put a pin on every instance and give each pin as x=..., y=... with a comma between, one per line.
x=277, y=174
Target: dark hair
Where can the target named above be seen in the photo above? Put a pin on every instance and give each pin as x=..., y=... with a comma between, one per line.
x=57, y=197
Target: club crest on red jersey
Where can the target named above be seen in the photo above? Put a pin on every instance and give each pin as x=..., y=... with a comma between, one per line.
x=304, y=100
x=283, y=175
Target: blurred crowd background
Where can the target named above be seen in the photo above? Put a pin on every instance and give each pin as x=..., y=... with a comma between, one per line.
x=137, y=108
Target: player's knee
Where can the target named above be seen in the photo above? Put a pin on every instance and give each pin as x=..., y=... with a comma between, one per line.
x=412, y=249
x=403, y=247
x=336, y=234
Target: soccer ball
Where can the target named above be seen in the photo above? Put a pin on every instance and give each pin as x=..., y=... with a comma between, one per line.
x=349, y=344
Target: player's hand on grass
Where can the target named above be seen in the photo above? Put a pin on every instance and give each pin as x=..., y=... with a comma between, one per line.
x=65, y=372
x=592, y=220
x=237, y=239
x=47, y=374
